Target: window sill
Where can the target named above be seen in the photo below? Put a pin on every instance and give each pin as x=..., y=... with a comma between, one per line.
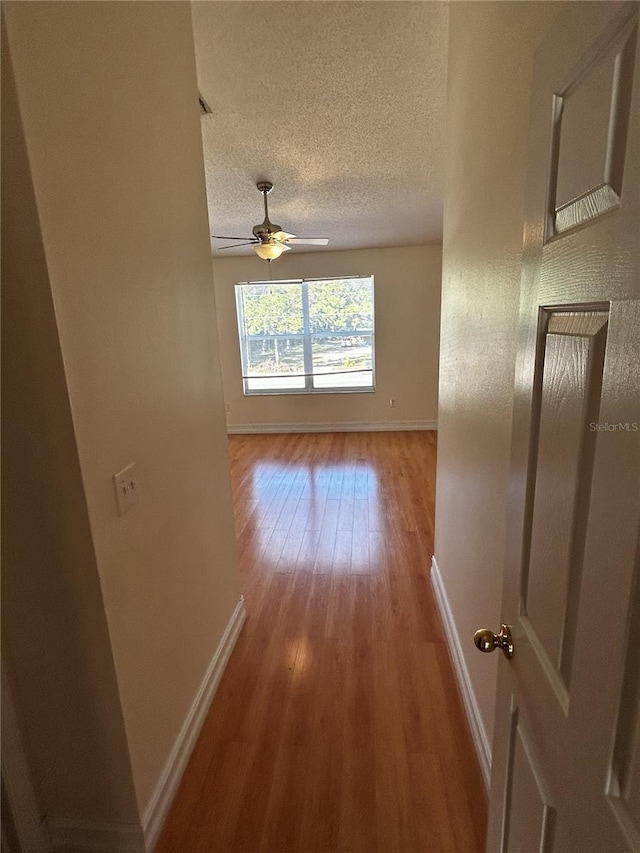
x=304, y=392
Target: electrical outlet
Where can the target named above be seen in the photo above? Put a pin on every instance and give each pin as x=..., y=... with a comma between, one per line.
x=127, y=488
x=392, y=402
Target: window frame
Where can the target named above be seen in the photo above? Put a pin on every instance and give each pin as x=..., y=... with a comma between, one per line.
x=306, y=336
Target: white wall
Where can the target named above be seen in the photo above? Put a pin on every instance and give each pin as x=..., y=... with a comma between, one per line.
x=407, y=311
x=490, y=54
x=108, y=102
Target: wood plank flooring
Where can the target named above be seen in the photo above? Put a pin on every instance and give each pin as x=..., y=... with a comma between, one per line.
x=337, y=725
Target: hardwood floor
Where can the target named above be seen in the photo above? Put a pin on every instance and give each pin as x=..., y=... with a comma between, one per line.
x=337, y=725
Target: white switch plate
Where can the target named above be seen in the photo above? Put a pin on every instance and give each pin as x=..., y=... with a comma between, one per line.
x=127, y=488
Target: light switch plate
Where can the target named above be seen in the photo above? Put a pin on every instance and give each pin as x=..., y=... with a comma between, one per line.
x=127, y=488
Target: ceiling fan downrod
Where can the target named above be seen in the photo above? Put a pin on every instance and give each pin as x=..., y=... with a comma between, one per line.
x=265, y=188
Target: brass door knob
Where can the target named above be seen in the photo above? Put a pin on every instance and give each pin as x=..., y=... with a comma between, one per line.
x=487, y=641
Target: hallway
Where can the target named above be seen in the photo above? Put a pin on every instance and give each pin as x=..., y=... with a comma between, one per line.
x=337, y=725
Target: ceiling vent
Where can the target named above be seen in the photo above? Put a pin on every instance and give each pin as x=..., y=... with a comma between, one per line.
x=205, y=109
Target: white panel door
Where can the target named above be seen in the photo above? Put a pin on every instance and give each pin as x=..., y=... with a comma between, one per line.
x=566, y=755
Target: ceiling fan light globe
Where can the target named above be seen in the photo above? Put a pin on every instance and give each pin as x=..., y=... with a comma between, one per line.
x=268, y=251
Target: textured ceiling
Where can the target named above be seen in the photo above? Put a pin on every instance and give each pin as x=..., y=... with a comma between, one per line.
x=339, y=104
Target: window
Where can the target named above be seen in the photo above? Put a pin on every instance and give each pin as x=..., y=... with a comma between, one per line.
x=301, y=337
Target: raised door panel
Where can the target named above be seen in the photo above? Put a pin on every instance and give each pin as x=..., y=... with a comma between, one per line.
x=590, y=128
x=571, y=363
x=530, y=815
x=623, y=786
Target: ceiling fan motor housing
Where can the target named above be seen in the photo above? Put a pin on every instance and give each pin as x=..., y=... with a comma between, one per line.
x=266, y=230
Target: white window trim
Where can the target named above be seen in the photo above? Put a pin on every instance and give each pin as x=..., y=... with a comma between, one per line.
x=306, y=336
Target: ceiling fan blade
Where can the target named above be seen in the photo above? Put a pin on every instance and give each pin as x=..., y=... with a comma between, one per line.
x=221, y=237
x=236, y=246
x=308, y=241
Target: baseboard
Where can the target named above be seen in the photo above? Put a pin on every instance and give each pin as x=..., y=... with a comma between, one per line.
x=478, y=732
x=167, y=786
x=338, y=426
x=90, y=837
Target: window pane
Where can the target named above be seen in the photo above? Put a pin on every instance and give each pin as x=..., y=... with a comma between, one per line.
x=273, y=309
x=346, y=380
x=273, y=326
x=347, y=359
x=341, y=305
x=280, y=383
x=274, y=357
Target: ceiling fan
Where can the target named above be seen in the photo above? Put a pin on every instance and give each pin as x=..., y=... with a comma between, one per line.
x=269, y=240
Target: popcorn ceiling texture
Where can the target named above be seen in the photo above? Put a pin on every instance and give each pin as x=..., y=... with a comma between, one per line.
x=339, y=104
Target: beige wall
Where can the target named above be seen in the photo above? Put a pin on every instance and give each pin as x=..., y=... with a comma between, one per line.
x=490, y=54
x=55, y=636
x=108, y=99
x=407, y=311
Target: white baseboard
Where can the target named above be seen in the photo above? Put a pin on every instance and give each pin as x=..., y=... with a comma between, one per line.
x=478, y=732
x=90, y=837
x=338, y=426
x=175, y=766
